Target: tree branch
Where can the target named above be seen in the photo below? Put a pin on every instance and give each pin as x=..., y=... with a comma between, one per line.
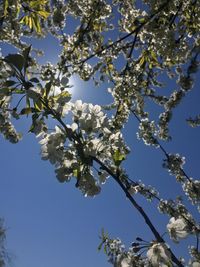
x=135, y=31
x=139, y=209
x=162, y=148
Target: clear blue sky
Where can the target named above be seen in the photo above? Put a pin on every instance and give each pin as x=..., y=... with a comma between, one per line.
x=51, y=224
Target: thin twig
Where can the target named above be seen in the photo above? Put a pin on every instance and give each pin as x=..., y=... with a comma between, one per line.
x=162, y=148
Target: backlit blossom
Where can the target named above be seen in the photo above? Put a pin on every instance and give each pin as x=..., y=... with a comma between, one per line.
x=192, y=190
x=177, y=229
x=126, y=262
x=158, y=255
x=52, y=146
x=88, y=185
x=195, y=264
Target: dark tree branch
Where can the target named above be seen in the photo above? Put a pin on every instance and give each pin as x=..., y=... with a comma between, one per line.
x=158, y=237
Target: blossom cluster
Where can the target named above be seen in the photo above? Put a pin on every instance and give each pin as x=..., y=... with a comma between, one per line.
x=154, y=254
x=148, y=192
x=147, y=132
x=92, y=136
x=6, y=127
x=157, y=254
x=177, y=228
x=192, y=190
x=174, y=164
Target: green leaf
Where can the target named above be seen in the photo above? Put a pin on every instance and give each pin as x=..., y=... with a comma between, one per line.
x=142, y=61
x=38, y=105
x=5, y=91
x=154, y=56
x=47, y=88
x=23, y=20
x=105, y=250
x=118, y=157
x=9, y=83
x=16, y=60
x=36, y=23
x=19, y=91
x=75, y=172
x=36, y=4
x=26, y=53
x=150, y=66
x=5, y=7
x=30, y=22
x=64, y=94
x=142, y=20
x=104, y=236
x=28, y=104
x=110, y=67
x=31, y=128
x=100, y=246
x=44, y=14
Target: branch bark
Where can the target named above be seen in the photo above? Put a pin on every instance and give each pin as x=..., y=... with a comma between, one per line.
x=139, y=209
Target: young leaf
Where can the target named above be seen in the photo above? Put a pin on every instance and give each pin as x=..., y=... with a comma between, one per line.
x=44, y=14
x=110, y=67
x=38, y=105
x=100, y=246
x=19, y=91
x=75, y=172
x=142, y=61
x=118, y=157
x=154, y=56
x=30, y=22
x=28, y=104
x=5, y=7
x=36, y=23
x=65, y=94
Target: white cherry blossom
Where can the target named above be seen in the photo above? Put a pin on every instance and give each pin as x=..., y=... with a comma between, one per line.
x=78, y=108
x=195, y=264
x=88, y=185
x=126, y=262
x=159, y=256
x=52, y=146
x=177, y=229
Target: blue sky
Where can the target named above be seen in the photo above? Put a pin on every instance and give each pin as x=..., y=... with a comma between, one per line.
x=51, y=224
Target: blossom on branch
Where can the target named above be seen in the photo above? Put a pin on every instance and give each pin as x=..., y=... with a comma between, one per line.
x=177, y=228
x=159, y=255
